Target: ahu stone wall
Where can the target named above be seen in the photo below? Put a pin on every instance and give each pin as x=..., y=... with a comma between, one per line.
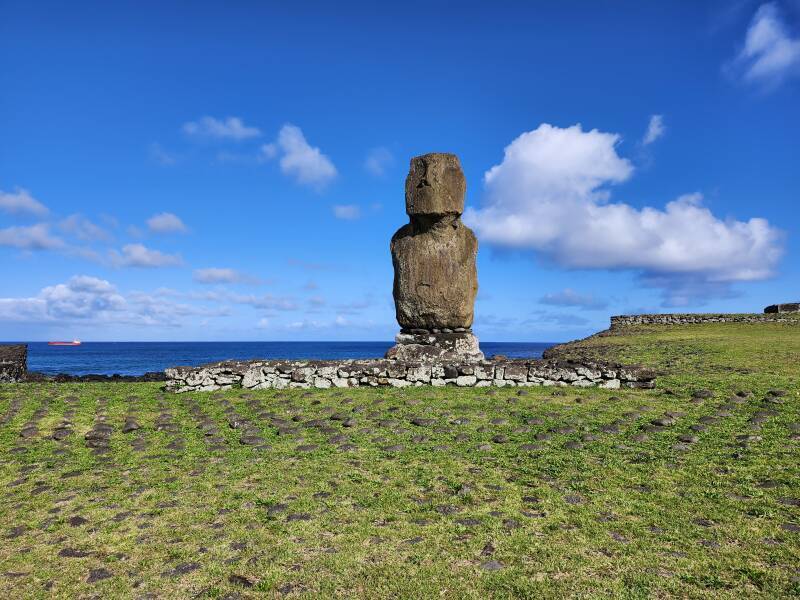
x=260, y=374
x=13, y=363
x=693, y=319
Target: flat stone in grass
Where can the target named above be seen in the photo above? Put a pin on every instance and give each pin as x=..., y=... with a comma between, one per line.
x=491, y=565
x=16, y=532
x=77, y=521
x=500, y=438
x=96, y=575
x=28, y=432
x=130, y=425
x=394, y=448
x=530, y=447
x=251, y=440
x=181, y=569
x=72, y=553
x=573, y=446
x=574, y=499
x=422, y=422
x=704, y=394
x=298, y=517
x=307, y=448
x=791, y=527
x=61, y=433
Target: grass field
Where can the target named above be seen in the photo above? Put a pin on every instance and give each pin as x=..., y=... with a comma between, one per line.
x=688, y=490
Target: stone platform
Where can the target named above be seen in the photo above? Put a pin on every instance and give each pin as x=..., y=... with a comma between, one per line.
x=13, y=363
x=262, y=374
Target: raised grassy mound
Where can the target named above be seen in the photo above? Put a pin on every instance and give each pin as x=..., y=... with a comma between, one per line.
x=688, y=490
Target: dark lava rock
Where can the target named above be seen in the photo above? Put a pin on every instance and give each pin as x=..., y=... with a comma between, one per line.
x=77, y=521
x=72, y=553
x=98, y=575
x=422, y=422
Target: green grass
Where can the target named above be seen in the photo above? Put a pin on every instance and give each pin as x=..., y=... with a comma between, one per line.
x=622, y=516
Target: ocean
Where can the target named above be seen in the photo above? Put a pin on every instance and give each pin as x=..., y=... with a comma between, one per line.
x=136, y=358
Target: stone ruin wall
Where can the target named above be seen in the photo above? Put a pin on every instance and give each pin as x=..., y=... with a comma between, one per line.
x=13, y=363
x=693, y=319
x=392, y=373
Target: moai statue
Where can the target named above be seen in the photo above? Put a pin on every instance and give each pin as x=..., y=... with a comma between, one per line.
x=435, y=278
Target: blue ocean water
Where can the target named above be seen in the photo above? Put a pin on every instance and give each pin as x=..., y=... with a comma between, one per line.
x=136, y=358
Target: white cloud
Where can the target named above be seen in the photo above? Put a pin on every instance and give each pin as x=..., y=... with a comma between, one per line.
x=33, y=237
x=348, y=212
x=231, y=128
x=569, y=297
x=378, y=160
x=96, y=301
x=548, y=195
x=20, y=202
x=166, y=223
x=139, y=255
x=262, y=324
x=655, y=129
x=298, y=159
x=84, y=229
x=159, y=155
x=770, y=53
x=213, y=275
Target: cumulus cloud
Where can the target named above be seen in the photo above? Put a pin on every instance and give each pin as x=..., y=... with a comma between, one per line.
x=298, y=159
x=549, y=195
x=347, y=212
x=229, y=128
x=96, y=301
x=84, y=229
x=655, y=129
x=166, y=222
x=770, y=53
x=569, y=297
x=139, y=255
x=32, y=237
x=20, y=202
x=214, y=275
x=378, y=160
x=262, y=324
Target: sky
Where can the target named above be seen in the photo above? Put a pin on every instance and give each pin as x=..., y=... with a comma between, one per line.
x=235, y=171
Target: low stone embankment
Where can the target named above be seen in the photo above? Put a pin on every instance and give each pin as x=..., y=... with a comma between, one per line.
x=13, y=363
x=260, y=374
x=693, y=319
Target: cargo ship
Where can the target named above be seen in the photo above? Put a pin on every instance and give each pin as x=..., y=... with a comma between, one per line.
x=72, y=343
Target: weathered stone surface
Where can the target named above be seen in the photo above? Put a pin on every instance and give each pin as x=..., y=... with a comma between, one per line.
x=436, y=348
x=259, y=374
x=620, y=321
x=435, y=277
x=435, y=185
x=791, y=307
x=13, y=363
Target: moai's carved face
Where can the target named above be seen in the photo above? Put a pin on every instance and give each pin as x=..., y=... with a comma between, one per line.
x=435, y=185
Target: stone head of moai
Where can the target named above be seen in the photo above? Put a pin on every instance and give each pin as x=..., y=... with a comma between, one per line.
x=435, y=277
x=435, y=186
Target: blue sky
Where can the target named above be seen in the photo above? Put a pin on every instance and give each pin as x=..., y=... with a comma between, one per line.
x=234, y=171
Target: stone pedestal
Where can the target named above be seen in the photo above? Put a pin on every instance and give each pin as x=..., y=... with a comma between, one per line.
x=461, y=347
